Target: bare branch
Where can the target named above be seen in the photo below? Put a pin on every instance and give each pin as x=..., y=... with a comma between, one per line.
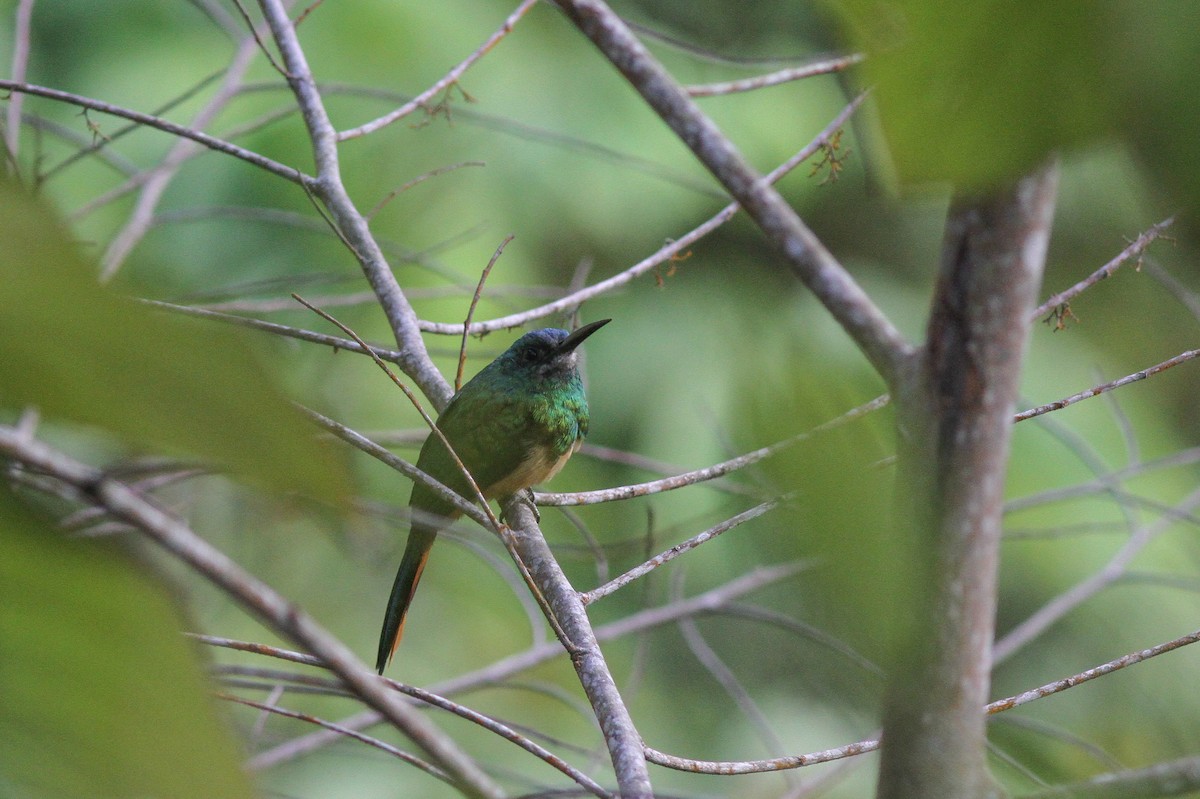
x=161, y=176
x=351, y=224
x=1079, y=593
x=449, y=79
x=1106, y=387
x=825, y=67
x=708, y=472
x=280, y=614
x=870, y=329
x=487, y=270
x=412, y=760
x=1058, y=686
x=1172, y=778
x=670, y=250
x=338, y=343
x=1061, y=302
x=211, y=142
x=708, y=601
x=576, y=635
x=20, y=62
x=639, y=571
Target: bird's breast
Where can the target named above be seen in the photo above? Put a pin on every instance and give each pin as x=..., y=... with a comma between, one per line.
x=539, y=465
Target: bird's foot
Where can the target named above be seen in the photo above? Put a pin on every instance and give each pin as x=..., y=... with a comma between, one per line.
x=528, y=495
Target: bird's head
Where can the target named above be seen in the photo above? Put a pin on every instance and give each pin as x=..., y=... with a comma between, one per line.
x=546, y=354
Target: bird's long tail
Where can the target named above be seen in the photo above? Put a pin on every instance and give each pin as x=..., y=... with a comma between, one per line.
x=416, y=552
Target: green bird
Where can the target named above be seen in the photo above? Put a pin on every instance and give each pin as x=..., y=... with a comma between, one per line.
x=513, y=425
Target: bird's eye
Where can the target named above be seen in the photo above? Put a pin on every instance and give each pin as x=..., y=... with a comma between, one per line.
x=529, y=355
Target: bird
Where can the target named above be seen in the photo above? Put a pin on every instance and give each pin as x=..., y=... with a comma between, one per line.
x=514, y=425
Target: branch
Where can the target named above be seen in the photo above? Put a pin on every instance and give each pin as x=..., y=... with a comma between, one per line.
x=1059, y=304
x=20, y=62
x=871, y=744
x=501, y=670
x=620, y=734
x=955, y=417
x=452, y=77
x=142, y=216
x=874, y=334
x=1064, y=603
x=337, y=342
x=1106, y=387
x=428, y=697
x=279, y=613
x=670, y=250
x=658, y=560
x=211, y=142
x=342, y=731
x=828, y=66
x=708, y=472
x=347, y=220
x=1173, y=778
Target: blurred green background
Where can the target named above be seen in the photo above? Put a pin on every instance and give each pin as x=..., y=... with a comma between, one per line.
x=714, y=355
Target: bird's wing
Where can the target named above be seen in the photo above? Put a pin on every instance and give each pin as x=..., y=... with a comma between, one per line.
x=485, y=430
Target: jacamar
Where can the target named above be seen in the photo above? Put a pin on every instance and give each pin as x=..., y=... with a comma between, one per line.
x=513, y=425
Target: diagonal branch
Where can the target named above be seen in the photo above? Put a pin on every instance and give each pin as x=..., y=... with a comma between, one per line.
x=874, y=334
x=211, y=142
x=350, y=224
x=279, y=613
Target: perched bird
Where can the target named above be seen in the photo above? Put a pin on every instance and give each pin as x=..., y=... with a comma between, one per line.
x=513, y=425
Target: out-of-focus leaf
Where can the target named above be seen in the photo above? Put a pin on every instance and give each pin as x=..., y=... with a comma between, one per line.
x=100, y=696
x=78, y=351
x=977, y=93
x=1160, y=81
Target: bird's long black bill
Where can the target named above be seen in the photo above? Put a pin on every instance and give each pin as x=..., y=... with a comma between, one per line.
x=577, y=336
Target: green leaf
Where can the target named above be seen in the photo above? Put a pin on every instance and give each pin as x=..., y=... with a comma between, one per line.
x=100, y=696
x=79, y=351
x=979, y=93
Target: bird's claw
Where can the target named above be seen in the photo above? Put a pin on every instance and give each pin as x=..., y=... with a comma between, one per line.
x=537, y=514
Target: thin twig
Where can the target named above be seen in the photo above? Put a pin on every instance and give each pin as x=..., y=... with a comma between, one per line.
x=665, y=557
x=1171, y=778
x=1106, y=387
x=412, y=760
x=487, y=270
x=433, y=173
x=1025, y=697
x=670, y=250
x=1059, y=304
x=348, y=344
x=708, y=472
x=825, y=67
x=449, y=79
x=1038, y=622
x=211, y=142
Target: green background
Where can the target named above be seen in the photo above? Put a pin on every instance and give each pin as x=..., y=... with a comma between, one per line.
x=717, y=354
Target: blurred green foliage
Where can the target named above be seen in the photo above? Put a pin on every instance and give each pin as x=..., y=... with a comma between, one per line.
x=102, y=697
x=717, y=353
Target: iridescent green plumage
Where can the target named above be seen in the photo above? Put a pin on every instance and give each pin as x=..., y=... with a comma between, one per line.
x=513, y=425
